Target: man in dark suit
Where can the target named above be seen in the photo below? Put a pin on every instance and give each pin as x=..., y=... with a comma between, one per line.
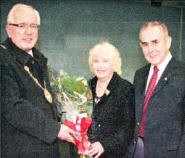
x=160, y=97
x=29, y=126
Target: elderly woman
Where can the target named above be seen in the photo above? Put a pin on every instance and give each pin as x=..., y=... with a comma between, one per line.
x=113, y=104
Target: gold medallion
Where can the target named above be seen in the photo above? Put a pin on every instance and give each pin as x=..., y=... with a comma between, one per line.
x=47, y=95
x=46, y=92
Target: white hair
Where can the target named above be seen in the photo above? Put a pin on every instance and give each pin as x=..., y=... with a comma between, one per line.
x=110, y=50
x=10, y=17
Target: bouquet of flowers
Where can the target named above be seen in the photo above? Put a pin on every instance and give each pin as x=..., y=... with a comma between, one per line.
x=74, y=105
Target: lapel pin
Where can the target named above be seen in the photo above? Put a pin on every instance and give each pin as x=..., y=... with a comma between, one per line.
x=107, y=92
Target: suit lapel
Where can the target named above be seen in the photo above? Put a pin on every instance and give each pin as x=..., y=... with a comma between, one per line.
x=142, y=85
x=164, y=78
x=144, y=80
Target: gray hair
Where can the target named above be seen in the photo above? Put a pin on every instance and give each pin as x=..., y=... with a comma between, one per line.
x=10, y=17
x=153, y=24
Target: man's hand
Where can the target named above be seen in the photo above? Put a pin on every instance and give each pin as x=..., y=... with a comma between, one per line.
x=66, y=133
x=96, y=150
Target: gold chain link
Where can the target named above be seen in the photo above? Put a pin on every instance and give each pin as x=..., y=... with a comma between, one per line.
x=46, y=92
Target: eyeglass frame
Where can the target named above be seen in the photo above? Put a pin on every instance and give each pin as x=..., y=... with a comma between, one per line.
x=24, y=25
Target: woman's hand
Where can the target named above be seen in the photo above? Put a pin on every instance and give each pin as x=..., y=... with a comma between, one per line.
x=65, y=133
x=96, y=150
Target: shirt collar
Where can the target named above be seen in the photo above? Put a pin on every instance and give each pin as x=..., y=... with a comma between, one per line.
x=163, y=65
x=30, y=52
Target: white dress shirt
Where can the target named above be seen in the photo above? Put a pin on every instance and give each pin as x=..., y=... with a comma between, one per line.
x=30, y=52
x=161, y=68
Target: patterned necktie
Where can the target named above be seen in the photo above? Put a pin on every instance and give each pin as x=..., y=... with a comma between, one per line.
x=148, y=94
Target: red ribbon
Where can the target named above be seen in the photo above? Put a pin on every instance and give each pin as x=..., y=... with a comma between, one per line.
x=81, y=126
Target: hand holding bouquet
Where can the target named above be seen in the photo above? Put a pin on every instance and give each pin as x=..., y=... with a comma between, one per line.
x=75, y=100
x=81, y=125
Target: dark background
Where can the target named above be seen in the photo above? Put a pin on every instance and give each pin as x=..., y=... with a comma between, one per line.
x=69, y=28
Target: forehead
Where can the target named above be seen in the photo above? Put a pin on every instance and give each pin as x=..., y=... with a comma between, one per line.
x=151, y=33
x=101, y=54
x=25, y=15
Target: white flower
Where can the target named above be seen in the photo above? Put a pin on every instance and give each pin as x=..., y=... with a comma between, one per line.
x=52, y=83
x=61, y=72
x=80, y=78
x=58, y=79
x=85, y=82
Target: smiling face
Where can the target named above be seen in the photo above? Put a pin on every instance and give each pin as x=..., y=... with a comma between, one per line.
x=102, y=65
x=155, y=44
x=25, y=35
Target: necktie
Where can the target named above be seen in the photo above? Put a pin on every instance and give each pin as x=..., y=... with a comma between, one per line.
x=148, y=94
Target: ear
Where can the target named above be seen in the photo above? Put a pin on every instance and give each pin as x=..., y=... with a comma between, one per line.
x=8, y=30
x=140, y=44
x=169, y=41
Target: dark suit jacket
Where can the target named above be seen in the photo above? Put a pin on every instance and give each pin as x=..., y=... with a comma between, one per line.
x=28, y=122
x=113, y=117
x=165, y=117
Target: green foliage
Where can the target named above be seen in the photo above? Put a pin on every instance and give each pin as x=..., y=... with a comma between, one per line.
x=64, y=82
x=73, y=93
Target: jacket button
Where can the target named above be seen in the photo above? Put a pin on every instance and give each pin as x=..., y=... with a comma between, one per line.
x=134, y=142
x=138, y=123
x=99, y=125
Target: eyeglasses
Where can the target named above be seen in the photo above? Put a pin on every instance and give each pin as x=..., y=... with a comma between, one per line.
x=24, y=26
